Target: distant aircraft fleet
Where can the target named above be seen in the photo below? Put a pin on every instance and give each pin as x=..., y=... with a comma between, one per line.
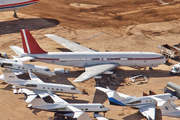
x=95, y=63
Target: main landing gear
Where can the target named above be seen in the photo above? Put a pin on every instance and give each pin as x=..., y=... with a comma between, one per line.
x=15, y=14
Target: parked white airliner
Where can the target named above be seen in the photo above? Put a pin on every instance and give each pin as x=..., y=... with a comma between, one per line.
x=145, y=104
x=36, y=85
x=94, y=62
x=14, y=5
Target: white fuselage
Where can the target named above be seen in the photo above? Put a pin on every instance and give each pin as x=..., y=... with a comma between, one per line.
x=54, y=88
x=147, y=100
x=11, y=5
x=85, y=59
x=58, y=107
x=22, y=67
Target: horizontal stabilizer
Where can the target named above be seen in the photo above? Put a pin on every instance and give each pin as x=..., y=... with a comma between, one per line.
x=23, y=58
x=17, y=50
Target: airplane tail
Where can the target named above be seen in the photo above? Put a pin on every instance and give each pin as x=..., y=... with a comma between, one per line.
x=10, y=76
x=113, y=96
x=30, y=46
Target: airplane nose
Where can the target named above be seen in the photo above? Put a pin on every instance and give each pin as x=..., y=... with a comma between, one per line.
x=78, y=92
x=106, y=109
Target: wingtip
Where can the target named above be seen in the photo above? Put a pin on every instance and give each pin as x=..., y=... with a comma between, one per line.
x=49, y=35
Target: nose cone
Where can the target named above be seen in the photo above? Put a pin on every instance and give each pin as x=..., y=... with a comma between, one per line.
x=106, y=109
x=76, y=91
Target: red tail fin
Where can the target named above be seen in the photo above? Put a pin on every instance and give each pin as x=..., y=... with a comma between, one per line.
x=29, y=44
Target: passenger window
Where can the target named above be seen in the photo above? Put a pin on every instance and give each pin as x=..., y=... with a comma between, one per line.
x=44, y=88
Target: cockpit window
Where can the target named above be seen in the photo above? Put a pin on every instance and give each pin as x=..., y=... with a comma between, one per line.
x=101, y=106
x=47, y=70
x=135, y=102
x=73, y=88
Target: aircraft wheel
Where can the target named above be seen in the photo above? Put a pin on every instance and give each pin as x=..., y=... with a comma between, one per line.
x=25, y=96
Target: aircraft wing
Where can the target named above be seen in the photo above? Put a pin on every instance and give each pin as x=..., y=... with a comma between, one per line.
x=34, y=78
x=148, y=111
x=99, y=117
x=160, y=102
x=23, y=58
x=30, y=95
x=169, y=109
x=57, y=99
x=93, y=71
x=79, y=114
x=75, y=47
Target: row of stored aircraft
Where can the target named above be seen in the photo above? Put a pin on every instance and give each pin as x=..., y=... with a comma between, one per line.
x=94, y=62
x=41, y=95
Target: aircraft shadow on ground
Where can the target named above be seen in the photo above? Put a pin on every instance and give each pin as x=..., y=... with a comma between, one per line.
x=149, y=73
x=8, y=87
x=64, y=49
x=139, y=116
x=14, y=26
x=59, y=78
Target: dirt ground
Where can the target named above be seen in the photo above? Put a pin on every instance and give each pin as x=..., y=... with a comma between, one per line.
x=126, y=25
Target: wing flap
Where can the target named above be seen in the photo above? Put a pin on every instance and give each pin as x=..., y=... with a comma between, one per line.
x=93, y=71
x=148, y=111
x=30, y=95
x=68, y=44
x=79, y=114
x=99, y=117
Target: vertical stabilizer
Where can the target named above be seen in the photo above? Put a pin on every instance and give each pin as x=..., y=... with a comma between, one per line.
x=10, y=76
x=29, y=44
x=114, y=97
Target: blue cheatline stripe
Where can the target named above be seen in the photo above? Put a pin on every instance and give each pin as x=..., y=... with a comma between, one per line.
x=14, y=6
x=115, y=101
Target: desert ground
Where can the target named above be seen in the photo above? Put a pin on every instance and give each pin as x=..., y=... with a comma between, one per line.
x=111, y=25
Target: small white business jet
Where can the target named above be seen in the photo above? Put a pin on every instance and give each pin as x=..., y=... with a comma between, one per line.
x=38, y=87
x=15, y=5
x=94, y=62
x=18, y=67
x=170, y=109
x=59, y=105
x=145, y=104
